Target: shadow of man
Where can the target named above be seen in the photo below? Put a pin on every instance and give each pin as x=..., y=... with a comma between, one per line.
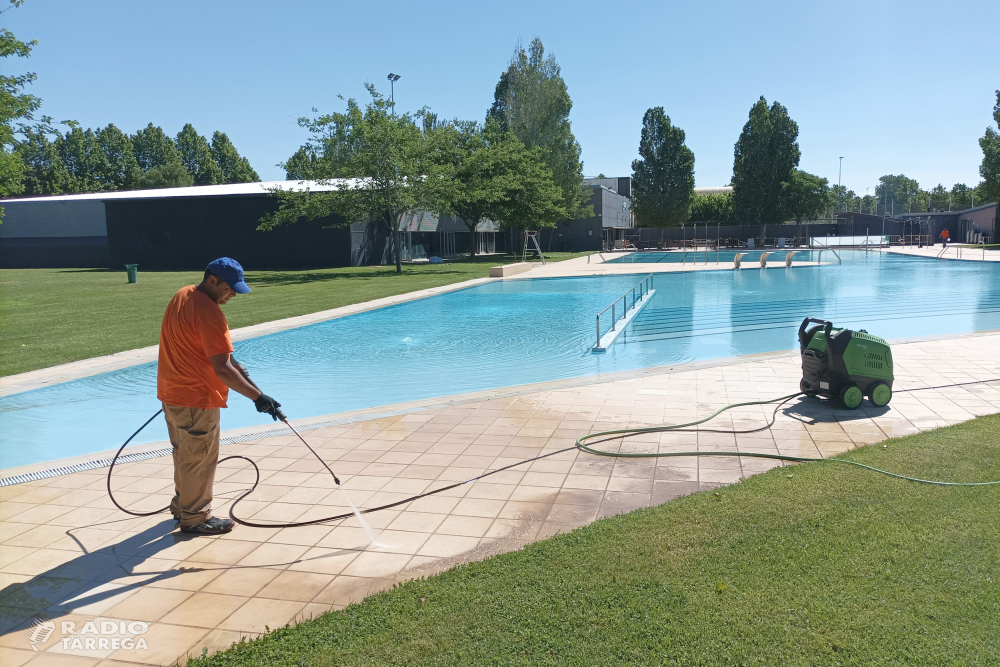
x=83, y=580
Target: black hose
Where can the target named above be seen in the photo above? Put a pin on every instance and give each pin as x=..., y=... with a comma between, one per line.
x=600, y=436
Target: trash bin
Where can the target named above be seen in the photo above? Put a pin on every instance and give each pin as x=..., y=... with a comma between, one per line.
x=133, y=272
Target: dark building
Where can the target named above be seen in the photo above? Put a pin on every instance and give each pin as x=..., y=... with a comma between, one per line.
x=185, y=228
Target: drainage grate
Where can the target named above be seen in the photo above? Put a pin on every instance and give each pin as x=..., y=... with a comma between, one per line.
x=231, y=440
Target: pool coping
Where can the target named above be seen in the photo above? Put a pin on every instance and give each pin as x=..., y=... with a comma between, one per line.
x=53, y=468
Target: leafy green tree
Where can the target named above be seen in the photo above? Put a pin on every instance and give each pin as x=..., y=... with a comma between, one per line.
x=14, y=105
x=663, y=177
x=118, y=169
x=712, y=208
x=895, y=194
x=153, y=148
x=868, y=204
x=961, y=196
x=235, y=168
x=303, y=165
x=806, y=196
x=170, y=175
x=380, y=166
x=45, y=174
x=531, y=100
x=990, y=167
x=494, y=177
x=83, y=156
x=196, y=156
x=765, y=156
x=938, y=198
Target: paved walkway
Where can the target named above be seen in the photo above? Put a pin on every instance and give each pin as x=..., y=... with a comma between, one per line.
x=66, y=553
x=953, y=252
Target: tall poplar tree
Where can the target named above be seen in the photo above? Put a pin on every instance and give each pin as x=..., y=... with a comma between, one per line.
x=663, y=179
x=990, y=167
x=765, y=155
x=532, y=101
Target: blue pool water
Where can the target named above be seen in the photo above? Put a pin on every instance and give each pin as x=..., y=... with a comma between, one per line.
x=516, y=332
x=722, y=257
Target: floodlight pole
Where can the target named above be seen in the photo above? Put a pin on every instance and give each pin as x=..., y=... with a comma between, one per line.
x=393, y=78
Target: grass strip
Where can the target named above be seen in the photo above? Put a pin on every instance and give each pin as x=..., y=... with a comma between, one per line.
x=812, y=564
x=54, y=316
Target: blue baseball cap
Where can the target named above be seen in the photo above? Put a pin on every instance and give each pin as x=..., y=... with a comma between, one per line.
x=230, y=270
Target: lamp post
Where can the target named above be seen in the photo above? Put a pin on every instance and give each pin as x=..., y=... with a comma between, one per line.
x=393, y=78
x=840, y=172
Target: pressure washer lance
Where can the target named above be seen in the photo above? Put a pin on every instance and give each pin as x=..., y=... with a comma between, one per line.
x=281, y=415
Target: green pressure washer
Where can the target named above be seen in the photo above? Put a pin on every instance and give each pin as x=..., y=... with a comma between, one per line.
x=844, y=364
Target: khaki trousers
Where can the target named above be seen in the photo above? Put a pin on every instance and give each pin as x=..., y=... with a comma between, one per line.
x=194, y=435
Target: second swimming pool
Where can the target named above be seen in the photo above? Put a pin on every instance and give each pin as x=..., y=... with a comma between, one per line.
x=516, y=332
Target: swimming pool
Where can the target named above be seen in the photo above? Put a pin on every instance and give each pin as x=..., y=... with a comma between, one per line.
x=515, y=332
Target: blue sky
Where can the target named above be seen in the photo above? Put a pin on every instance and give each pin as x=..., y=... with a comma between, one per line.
x=895, y=87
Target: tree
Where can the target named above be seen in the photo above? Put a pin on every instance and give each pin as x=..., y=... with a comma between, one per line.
x=379, y=165
x=153, y=148
x=895, y=194
x=14, y=105
x=83, y=156
x=960, y=197
x=235, y=168
x=170, y=175
x=45, y=173
x=990, y=167
x=805, y=195
x=117, y=170
x=938, y=198
x=196, y=156
x=303, y=165
x=663, y=179
x=494, y=177
x=712, y=208
x=531, y=100
x=765, y=155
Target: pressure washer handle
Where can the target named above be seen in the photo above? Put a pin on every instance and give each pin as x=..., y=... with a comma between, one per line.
x=802, y=329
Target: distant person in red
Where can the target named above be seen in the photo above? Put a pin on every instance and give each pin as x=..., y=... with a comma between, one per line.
x=196, y=371
x=945, y=235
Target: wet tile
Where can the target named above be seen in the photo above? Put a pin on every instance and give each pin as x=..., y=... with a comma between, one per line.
x=297, y=586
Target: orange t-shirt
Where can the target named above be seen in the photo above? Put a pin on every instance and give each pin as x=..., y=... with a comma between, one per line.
x=193, y=330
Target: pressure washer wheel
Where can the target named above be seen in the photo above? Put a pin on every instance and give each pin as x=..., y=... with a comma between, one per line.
x=879, y=394
x=851, y=396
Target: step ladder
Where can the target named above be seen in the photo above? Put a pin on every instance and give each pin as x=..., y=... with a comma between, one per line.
x=531, y=238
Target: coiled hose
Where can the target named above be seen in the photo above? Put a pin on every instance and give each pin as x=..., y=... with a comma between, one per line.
x=581, y=444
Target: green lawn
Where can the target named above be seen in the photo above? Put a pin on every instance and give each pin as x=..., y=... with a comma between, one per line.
x=53, y=316
x=816, y=564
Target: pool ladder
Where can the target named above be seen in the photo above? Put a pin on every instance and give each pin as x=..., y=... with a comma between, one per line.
x=642, y=288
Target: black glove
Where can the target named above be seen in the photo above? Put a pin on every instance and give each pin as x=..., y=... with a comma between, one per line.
x=265, y=403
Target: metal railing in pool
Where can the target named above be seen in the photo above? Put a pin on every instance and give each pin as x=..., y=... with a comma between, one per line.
x=643, y=287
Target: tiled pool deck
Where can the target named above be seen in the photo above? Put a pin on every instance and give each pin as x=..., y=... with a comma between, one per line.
x=67, y=553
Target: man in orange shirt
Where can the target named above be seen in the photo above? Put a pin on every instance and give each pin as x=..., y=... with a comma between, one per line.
x=944, y=235
x=195, y=373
